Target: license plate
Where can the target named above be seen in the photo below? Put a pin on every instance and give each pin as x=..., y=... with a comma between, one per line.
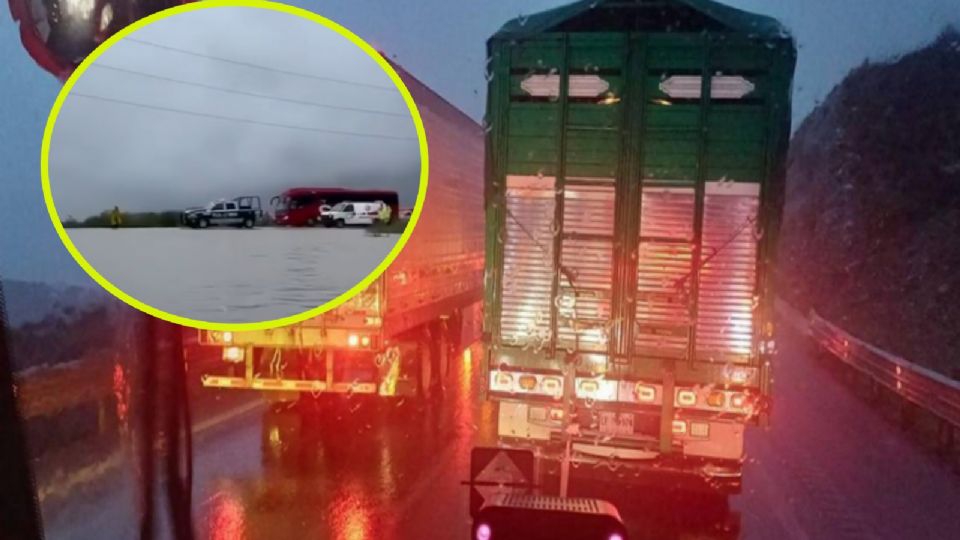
x=614, y=423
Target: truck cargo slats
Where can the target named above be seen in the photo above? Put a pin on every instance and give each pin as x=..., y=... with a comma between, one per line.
x=664, y=259
x=442, y=263
x=589, y=261
x=657, y=350
x=588, y=340
x=728, y=278
x=528, y=245
x=584, y=303
x=588, y=209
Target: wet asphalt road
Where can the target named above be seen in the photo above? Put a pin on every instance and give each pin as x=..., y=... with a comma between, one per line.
x=828, y=467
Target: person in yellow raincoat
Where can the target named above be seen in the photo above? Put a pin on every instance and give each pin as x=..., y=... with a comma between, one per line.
x=384, y=214
x=115, y=219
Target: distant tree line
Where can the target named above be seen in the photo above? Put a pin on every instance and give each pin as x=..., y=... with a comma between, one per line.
x=169, y=218
x=394, y=227
x=61, y=337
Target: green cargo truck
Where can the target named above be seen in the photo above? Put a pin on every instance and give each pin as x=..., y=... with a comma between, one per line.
x=634, y=185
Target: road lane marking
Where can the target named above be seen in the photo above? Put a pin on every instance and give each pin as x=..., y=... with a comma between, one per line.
x=205, y=425
x=63, y=484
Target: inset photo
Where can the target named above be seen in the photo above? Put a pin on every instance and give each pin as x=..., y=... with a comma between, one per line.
x=231, y=167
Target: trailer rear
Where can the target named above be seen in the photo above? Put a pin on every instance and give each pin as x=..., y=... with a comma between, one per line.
x=634, y=185
x=395, y=337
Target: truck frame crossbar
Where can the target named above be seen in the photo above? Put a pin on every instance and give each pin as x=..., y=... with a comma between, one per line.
x=288, y=385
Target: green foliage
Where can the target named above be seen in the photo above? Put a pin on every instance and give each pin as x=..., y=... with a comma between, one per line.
x=63, y=336
x=394, y=227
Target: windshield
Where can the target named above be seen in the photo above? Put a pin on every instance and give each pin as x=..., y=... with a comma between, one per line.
x=294, y=203
x=684, y=270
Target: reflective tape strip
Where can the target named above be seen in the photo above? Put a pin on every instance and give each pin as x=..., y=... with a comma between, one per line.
x=263, y=384
x=358, y=388
x=309, y=385
x=223, y=382
x=721, y=87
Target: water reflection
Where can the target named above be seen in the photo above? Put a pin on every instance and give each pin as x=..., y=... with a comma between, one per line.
x=352, y=468
x=227, y=517
x=121, y=395
x=350, y=512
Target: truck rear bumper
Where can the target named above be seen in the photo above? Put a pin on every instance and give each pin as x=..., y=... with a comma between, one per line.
x=714, y=457
x=596, y=463
x=330, y=371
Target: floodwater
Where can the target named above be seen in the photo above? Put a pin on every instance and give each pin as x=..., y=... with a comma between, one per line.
x=233, y=275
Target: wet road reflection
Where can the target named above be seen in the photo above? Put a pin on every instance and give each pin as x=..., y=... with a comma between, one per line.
x=357, y=469
x=227, y=518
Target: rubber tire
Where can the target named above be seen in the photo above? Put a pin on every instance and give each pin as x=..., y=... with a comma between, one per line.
x=453, y=334
x=248, y=223
x=443, y=348
x=424, y=372
x=434, y=343
x=203, y=223
x=311, y=222
x=340, y=224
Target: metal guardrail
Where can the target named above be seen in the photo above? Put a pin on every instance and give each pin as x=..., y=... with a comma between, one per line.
x=928, y=390
x=50, y=391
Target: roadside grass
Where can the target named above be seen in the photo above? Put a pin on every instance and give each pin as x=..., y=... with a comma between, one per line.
x=395, y=227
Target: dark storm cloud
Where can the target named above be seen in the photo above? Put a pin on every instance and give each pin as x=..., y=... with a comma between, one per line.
x=105, y=153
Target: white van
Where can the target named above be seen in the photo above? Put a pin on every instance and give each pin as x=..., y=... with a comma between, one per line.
x=351, y=213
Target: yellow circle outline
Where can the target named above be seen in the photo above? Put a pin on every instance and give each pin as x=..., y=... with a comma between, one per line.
x=212, y=4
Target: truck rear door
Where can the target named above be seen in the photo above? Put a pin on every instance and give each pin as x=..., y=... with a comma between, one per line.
x=631, y=230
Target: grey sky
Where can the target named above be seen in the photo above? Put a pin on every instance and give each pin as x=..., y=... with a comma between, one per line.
x=441, y=42
x=105, y=153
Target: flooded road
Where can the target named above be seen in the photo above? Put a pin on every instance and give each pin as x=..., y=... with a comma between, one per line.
x=233, y=275
x=356, y=469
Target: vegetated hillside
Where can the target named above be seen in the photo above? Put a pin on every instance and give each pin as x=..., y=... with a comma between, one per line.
x=30, y=302
x=52, y=324
x=871, y=237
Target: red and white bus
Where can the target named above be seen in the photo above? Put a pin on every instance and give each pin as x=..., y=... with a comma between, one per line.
x=300, y=207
